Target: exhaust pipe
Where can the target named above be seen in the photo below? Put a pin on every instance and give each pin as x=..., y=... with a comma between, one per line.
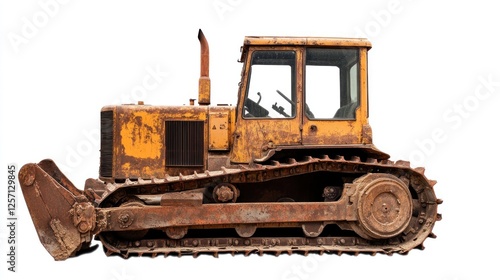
x=204, y=82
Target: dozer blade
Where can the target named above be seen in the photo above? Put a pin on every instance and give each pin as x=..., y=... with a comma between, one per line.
x=62, y=215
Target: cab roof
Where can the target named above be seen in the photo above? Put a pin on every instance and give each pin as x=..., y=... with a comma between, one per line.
x=306, y=41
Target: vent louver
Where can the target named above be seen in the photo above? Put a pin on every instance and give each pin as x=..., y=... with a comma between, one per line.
x=106, y=165
x=184, y=143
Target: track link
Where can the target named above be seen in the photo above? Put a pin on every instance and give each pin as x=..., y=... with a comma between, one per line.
x=420, y=227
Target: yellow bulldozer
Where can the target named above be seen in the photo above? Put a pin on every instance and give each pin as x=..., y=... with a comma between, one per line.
x=290, y=169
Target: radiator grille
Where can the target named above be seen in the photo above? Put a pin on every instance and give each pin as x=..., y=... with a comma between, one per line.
x=106, y=165
x=184, y=143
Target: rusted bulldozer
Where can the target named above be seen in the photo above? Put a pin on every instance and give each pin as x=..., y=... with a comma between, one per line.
x=290, y=169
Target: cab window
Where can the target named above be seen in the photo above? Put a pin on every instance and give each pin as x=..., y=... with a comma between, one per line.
x=271, y=90
x=331, y=83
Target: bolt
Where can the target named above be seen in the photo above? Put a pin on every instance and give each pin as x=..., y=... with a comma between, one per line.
x=83, y=227
x=124, y=218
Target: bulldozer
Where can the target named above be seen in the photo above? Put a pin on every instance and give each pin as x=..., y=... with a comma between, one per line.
x=290, y=169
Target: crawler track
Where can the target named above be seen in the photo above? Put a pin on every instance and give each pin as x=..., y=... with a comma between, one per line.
x=424, y=212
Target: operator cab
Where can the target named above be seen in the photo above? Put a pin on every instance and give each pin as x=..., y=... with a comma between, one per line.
x=301, y=93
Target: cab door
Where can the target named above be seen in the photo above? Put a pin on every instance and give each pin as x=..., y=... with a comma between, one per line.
x=332, y=97
x=268, y=111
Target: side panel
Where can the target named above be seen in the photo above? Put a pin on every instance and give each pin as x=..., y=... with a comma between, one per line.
x=254, y=138
x=328, y=132
x=219, y=130
x=138, y=145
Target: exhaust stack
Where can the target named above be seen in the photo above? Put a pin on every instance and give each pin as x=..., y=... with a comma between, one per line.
x=204, y=82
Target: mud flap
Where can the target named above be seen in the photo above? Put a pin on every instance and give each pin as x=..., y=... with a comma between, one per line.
x=53, y=201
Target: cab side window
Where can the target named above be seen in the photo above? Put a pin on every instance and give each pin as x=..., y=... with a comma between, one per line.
x=331, y=83
x=271, y=90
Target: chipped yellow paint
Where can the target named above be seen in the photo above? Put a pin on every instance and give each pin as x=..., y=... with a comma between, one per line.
x=126, y=167
x=254, y=138
x=147, y=170
x=141, y=137
x=328, y=132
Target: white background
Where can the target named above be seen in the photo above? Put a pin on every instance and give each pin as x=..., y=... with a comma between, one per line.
x=434, y=95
